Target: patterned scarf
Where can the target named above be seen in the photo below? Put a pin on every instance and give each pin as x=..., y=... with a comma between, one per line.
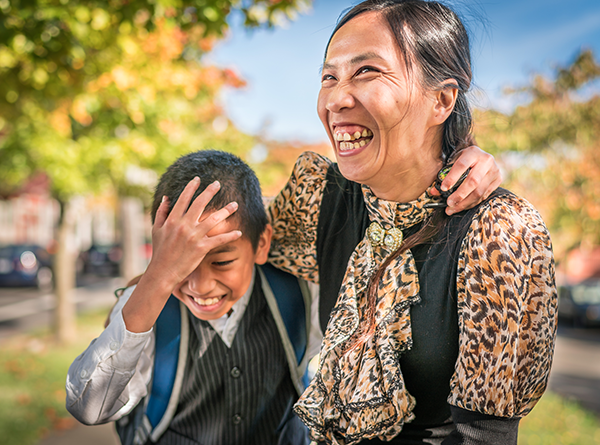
x=359, y=393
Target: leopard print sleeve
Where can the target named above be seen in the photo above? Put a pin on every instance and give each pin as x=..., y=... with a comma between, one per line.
x=507, y=309
x=294, y=214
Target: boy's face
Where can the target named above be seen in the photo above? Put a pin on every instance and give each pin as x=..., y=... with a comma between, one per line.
x=224, y=274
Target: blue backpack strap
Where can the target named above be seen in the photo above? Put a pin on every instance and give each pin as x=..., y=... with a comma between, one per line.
x=167, y=337
x=290, y=302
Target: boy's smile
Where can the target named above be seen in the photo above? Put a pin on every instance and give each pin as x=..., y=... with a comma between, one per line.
x=224, y=275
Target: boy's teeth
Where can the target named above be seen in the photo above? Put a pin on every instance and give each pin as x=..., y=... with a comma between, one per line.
x=365, y=133
x=207, y=301
x=357, y=135
x=347, y=137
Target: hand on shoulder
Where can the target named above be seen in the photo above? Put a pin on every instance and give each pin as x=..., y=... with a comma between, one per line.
x=482, y=180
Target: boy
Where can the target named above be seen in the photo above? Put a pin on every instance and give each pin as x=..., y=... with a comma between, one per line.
x=237, y=376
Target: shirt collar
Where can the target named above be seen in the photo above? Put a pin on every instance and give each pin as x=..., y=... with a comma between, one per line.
x=228, y=324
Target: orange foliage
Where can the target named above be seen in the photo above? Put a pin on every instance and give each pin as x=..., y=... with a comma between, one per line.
x=208, y=112
x=166, y=42
x=206, y=44
x=59, y=119
x=123, y=78
x=281, y=159
x=16, y=368
x=59, y=423
x=24, y=399
x=80, y=113
x=150, y=72
x=232, y=79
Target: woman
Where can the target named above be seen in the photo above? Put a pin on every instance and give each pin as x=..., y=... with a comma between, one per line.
x=438, y=329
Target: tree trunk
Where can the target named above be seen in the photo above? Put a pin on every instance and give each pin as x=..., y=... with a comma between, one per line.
x=64, y=268
x=132, y=232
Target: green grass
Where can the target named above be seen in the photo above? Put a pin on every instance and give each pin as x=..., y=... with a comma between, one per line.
x=32, y=382
x=32, y=394
x=556, y=421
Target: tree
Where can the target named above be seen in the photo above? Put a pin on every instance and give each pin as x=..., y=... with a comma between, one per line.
x=551, y=145
x=90, y=88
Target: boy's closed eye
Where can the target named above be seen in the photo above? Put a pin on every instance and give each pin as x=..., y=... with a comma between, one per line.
x=223, y=263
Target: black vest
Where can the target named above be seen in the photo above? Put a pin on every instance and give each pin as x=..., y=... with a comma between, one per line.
x=238, y=395
x=429, y=365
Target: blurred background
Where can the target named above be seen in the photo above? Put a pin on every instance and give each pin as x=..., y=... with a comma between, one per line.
x=97, y=98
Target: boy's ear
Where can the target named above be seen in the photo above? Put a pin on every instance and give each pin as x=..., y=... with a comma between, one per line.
x=264, y=244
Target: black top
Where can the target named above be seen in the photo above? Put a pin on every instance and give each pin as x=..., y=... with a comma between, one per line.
x=238, y=395
x=428, y=366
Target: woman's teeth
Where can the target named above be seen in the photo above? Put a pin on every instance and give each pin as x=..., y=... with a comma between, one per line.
x=207, y=301
x=346, y=139
x=342, y=136
x=351, y=145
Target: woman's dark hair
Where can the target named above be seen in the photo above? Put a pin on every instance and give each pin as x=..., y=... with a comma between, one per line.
x=238, y=183
x=434, y=45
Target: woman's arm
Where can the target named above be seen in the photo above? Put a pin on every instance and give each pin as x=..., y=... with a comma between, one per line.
x=507, y=308
x=480, y=429
x=294, y=215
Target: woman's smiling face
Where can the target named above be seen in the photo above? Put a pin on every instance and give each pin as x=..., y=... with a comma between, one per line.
x=377, y=116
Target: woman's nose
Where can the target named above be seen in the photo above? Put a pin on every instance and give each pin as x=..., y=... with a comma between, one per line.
x=339, y=98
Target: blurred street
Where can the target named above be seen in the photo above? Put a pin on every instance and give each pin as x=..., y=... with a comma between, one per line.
x=576, y=368
x=24, y=309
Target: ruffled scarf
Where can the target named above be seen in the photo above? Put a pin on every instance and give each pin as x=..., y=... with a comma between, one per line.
x=359, y=393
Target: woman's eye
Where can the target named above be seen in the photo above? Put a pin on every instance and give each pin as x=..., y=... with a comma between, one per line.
x=367, y=69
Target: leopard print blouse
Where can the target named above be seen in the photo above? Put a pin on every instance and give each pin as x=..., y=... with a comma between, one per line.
x=506, y=312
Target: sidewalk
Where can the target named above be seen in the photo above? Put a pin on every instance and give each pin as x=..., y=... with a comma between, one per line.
x=84, y=435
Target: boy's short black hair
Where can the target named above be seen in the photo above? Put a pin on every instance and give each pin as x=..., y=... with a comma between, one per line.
x=238, y=183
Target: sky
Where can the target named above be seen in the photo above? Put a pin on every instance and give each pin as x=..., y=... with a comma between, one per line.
x=510, y=40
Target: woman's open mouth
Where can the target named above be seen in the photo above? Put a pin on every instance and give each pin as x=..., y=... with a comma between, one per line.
x=353, y=139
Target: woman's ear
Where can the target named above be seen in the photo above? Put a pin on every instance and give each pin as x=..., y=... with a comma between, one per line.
x=444, y=101
x=264, y=245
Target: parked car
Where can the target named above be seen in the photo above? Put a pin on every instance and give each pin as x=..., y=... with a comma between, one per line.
x=25, y=265
x=579, y=304
x=101, y=259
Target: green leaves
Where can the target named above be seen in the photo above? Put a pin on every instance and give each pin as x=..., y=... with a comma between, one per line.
x=554, y=142
x=88, y=88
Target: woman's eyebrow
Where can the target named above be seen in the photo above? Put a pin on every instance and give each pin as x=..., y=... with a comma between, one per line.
x=356, y=59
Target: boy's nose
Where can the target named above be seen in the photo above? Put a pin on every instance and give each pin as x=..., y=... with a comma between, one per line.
x=201, y=282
